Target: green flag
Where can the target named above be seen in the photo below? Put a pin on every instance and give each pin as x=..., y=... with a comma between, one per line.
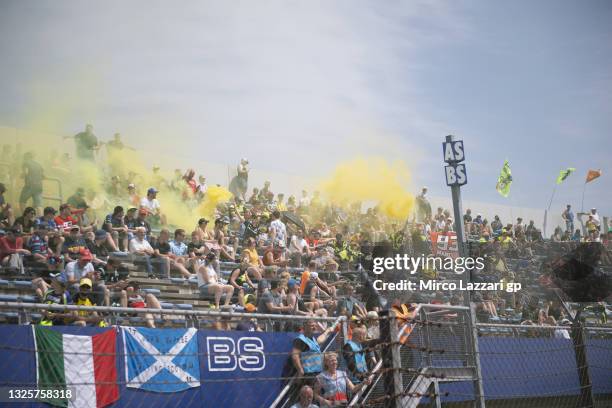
x=563, y=174
x=504, y=180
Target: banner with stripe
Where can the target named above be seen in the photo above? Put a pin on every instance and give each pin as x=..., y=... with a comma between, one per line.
x=84, y=364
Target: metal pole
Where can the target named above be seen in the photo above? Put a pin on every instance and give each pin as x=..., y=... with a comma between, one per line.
x=392, y=362
x=479, y=401
x=459, y=229
x=466, y=278
x=586, y=388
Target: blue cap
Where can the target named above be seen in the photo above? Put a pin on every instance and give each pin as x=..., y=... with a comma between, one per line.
x=152, y=190
x=292, y=282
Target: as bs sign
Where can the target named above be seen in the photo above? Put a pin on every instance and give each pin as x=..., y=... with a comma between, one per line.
x=454, y=154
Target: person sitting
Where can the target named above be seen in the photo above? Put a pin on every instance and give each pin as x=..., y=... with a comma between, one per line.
x=152, y=206
x=241, y=282
x=12, y=250
x=140, y=247
x=179, y=254
x=84, y=297
x=209, y=285
x=114, y=223
x=27, y=221
x=133, y=297
x=271, y=301
x=98, y=246
x=55, y=294
x=348, y=305
x=73, y=244
x=298, y=305
x=273, y=256
x=298, y=249
x=256, y=265
x=6, y=211
x=40, y=252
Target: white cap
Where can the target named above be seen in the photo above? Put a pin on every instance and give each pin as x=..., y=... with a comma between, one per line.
x=314, y=275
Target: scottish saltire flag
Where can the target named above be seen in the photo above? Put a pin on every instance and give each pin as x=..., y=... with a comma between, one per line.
x=563, y=174
x=161, y=360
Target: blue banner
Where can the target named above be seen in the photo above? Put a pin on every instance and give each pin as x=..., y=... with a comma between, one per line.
x=246, y=369
x=161, y=360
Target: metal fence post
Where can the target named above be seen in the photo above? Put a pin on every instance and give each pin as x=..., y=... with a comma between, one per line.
x=586, y=388
x=479, y=401
x=392, y=362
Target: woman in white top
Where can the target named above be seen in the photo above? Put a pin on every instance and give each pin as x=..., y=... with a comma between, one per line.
x=208, y=282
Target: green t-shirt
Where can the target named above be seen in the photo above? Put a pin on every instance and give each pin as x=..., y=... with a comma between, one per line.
x=85, y=143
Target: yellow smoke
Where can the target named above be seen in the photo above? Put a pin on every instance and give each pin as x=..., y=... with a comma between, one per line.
x=215, y=195
x=371, y=179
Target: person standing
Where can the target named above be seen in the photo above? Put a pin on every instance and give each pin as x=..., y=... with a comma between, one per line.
x=568, y=216
x=86, y=143
x=305, y=398
x=240, y=183
x=33, y=175
x=333, y=386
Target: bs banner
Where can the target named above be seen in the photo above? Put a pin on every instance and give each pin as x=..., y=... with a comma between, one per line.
x=169, y=367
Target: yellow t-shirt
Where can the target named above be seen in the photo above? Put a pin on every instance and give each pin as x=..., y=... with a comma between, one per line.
x=252, y=255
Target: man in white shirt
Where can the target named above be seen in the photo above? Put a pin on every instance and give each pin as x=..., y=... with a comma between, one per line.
x=304, y=201
x=140, y=247
x=278, y=230
x=83, y=268
x=297, y=248
x=596, y=219
x=151, y=204
x=76, y=270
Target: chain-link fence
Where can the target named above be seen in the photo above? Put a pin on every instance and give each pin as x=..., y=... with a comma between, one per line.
x=428, y=359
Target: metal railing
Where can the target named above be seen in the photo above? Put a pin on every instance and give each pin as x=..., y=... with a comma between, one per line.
x=22, y=308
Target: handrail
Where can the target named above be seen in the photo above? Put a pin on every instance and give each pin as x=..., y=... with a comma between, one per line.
x=203, y=313
x=538, y=327
x=287, y=387
x=362, y=392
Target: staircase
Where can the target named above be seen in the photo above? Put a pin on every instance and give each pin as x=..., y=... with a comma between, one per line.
x=439, y=350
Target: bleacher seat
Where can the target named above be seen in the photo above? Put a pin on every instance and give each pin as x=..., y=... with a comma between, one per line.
x=8, y=298
x=152, y=291
x=166, y=305
x=4, y=282
x=22, y=284
x=28, y=298
x=185, y=306
x=177, y=280
x=10, y=315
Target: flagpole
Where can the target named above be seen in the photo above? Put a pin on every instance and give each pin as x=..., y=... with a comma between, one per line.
x=552, y=196
x=582, y=210
x=583, y=190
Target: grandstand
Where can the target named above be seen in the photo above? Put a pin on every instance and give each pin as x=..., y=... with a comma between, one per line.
x=530, y=349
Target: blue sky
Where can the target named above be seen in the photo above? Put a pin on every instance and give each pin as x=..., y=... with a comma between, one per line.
x=298, y=86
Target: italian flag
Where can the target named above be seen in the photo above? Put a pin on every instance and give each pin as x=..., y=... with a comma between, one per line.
x=84, y=364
